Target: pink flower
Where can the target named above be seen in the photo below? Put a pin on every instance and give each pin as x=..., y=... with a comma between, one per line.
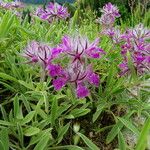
x=82, y=91
x=54, y=70
x=110, y=10
x=59, y=83
x=77, y=75
x=109, y=14
x=77, y=71
x=79, y=48
x=135, y=42
x=52, y=12
x=139, y=32
x=37, y=52
x=114, y=34
x=11, y=5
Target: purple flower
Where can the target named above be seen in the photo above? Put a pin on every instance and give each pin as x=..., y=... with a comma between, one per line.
x=59, y=83
x=82, y=91
x=75, y=74
x=78, y=48
x=111, y=10
x=54, y=70
x=114, y=34
x=11, y=5
x=106, y=20
x=93, y=78
x=76, y=71
x=135, y=42
x=37, y=52
x=140, y=32
x=109, y=14
x=52, y=12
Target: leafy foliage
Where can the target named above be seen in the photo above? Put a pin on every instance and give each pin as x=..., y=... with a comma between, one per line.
x=34, y=116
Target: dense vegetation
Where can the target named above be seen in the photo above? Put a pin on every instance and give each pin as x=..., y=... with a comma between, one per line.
x=113, y=113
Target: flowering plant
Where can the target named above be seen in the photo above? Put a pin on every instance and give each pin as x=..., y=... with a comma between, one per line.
x=135, y=42
x=11, y=5
x=78, y=72
x=52, y=12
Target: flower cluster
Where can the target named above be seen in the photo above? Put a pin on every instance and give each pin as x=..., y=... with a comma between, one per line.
x=53, y=11
x=77, y=72
x=68, y=63
x=11, y=5
x=109, y=14
x=135, y=42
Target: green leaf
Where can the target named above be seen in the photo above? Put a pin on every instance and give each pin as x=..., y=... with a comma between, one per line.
x=8, y=77
x=78, y=112
x=26, y=103
x=43, y=142
x=31, y=131
x=114, y=131
x=88, y=142
x=122, y=144
x=66, y=147
x=2, y=146
x=28, y=117
x=54, y=109
x=4, y=139
x=6, y=123
x=143, y=138
x=16, y=106
x=98, y=112
x=129, y=125
x=6, y=24
x=62, y=132
x=4, y=114
x=27, y=85
x=8, y=86
x=75, y=18
x=20, y=134
x=35, y=139
x=131, y=66
x=116, y=128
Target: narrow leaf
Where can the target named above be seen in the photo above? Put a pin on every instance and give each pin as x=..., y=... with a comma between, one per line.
x=143, y=138
x=129, y=125
x=31, y=131
x=122, y=144
x=88, y=142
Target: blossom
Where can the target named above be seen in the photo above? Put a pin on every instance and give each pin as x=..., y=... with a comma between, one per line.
x=76, y=74
x=54, y=70
x=139, y=32
x=110, y=9
x=106, y=20
x=59, y=83
x=136, y=44
x=113, y=33
x=11, y=5
x=82, y=91
x=37, y=52
x=77, y=71
x=53, y=11
x=109, y=14
x=79, y=48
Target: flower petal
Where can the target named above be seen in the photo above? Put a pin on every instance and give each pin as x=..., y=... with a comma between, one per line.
x=82, y=91
x=59, y=83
